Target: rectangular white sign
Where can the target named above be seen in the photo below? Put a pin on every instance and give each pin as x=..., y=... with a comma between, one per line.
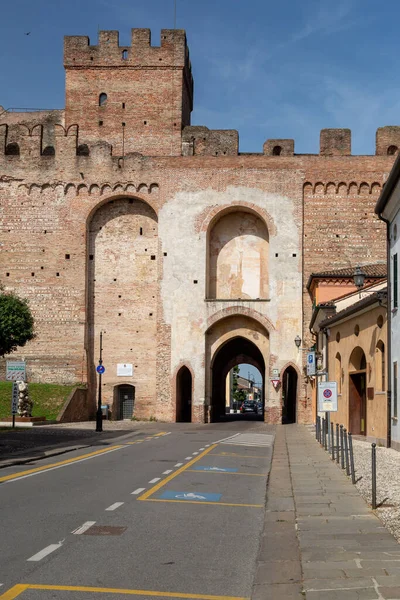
x=15, y=370
x=311, y=369
x=327, y=396
x=124, y=370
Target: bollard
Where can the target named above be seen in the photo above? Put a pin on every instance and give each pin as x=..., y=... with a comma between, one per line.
x=337, y=443
x=341, y=448
x=346, y=451
x=322, y=430
x=332, y=443
x=353, y=473
x=319, y=428
x=373, y=475
x=326, y=435
x=316, y=429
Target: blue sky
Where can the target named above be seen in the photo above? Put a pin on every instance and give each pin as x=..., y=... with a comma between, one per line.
x=269, y=69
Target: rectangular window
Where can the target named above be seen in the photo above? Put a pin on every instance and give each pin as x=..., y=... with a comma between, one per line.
x=395, y=390
x=395, y=282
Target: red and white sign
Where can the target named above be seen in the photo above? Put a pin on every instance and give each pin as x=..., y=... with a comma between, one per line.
x=275, y=382
x=327, y=396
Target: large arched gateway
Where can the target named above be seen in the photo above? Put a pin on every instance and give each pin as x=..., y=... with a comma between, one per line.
x=231, y=341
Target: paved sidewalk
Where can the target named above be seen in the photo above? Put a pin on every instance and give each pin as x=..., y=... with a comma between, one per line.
x=321, y=541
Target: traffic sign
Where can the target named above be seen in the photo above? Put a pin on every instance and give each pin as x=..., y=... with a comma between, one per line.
x=15, y=370
x=311, y=367
x=327, y=396
x=14, y=400
x=100, y=369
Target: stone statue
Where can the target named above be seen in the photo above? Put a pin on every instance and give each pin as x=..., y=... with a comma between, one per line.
x=25, y=404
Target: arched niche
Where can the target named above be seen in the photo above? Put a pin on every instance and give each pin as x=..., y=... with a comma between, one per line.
x=184, y=387
x=122, y=290
x=237, y=256
x=357, y=361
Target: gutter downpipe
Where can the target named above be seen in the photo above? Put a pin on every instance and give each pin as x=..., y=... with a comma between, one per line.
x=389, y=335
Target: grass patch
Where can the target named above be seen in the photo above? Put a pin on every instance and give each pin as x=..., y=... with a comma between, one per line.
x=48, y=399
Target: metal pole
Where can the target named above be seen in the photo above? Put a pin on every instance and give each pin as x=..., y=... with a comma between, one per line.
x=316, y=428
x=341, y=447
x=99, y=416
x=325, y=434
x=337, y=443
x=332, y=443
x=353, y=473
x=328, y=428
x=346, y=451
x=373, y=475
x=323, y=430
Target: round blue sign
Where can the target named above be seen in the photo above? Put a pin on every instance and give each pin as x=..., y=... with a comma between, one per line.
x=100, y=369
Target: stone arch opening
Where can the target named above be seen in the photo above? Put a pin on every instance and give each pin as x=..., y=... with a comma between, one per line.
x=229, y=342
x=122, y=290
x=277, y=150
x=237, y=256
x=184, y=387
x=289, y=395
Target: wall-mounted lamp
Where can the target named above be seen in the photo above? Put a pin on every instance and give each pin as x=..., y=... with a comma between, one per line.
x=359, y=280
x=297, y=341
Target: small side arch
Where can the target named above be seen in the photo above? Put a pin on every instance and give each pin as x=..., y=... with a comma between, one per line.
x=183, y=394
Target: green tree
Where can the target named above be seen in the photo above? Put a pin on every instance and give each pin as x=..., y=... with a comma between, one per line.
x=16, y=322
x=239, y=396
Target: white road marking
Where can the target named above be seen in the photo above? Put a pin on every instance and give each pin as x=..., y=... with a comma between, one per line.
x=115, y=506
x=249, y=439
x=188, y=458
x=138, y=491
x=179, y=464
x=45, y=552
x=207, y=445
x=195, y=452
x=167, y=472
x=155, y=480
x=201, y=449
x=83, y=528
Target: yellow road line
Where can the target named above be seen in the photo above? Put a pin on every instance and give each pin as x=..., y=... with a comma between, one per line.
x=14, y=592
x=228, y=454
x=156, y=487
x=18, y=589
x=59, y=464
x=227, y=473
x=206, y=502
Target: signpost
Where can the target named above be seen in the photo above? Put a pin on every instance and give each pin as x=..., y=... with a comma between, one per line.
x=15, y=370
x=14, y=403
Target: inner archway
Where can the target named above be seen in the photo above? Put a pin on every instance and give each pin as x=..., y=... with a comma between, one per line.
x=183, y=396
x=235, y=351
x=289, y=395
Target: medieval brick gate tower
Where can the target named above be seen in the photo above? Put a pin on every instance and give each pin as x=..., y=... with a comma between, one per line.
x=120, y=217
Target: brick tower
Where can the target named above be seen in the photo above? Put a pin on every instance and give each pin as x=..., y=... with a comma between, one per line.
x=137, y=98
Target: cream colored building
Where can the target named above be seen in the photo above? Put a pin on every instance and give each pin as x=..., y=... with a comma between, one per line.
x=356, y=347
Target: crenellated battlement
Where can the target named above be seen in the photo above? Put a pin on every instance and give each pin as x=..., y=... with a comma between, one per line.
x=173, y=50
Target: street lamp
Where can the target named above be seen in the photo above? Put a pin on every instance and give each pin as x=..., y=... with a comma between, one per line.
x=297, y=341
x=100, y=370
x=359, y=279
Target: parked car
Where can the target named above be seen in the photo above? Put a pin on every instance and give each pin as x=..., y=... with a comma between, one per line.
x=260, y=407
x=249, y=406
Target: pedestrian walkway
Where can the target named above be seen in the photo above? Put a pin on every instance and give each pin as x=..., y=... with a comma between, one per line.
x=321, y=541
x=249, y=439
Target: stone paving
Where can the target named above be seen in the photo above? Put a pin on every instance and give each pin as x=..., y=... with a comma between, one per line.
x=321, y=541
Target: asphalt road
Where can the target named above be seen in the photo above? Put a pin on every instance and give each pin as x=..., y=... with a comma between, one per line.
x=169, y=512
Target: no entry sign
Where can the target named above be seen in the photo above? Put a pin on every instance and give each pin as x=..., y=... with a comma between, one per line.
x=327, y=396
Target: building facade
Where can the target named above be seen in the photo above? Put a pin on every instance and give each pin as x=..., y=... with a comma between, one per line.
x=190, y=257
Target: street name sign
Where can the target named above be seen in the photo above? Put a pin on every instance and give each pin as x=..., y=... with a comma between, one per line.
x=327, y=396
